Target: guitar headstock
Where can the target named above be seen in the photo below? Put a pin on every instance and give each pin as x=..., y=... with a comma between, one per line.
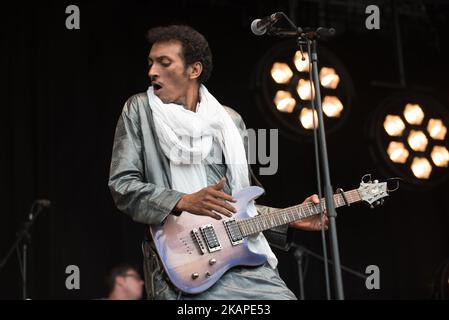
x=373, y=192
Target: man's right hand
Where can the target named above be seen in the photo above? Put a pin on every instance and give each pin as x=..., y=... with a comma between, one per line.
x=209, y=201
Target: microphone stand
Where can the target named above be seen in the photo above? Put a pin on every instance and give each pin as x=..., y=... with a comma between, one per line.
x=23, y=238
x=299, y=256
x=310, y=37
x=300, y=252
x=305, y=251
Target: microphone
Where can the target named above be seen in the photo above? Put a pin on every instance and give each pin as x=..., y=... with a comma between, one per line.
x=260, y=26
x=43, y=203
x=39, y=204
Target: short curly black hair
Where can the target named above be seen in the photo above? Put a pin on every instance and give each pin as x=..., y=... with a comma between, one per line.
x=195, y=47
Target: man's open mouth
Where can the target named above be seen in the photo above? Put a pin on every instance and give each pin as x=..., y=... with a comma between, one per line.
x=156, y=87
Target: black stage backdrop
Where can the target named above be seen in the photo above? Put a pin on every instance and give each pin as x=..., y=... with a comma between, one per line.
x=62, y=93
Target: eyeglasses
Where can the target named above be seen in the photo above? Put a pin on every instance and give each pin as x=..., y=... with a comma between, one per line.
x=133, y=275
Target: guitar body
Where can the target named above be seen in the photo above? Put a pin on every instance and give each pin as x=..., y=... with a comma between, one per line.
x=197, y=250
x=193, y=269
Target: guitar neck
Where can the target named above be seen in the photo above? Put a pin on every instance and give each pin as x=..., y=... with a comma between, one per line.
x=280, y=217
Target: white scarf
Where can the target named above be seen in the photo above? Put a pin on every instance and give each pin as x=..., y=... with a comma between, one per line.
x=187, y=138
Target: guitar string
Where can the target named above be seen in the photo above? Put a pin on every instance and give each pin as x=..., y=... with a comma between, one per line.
x=258, y=223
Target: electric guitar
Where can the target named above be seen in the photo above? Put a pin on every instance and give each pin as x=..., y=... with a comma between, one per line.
x=197, y=250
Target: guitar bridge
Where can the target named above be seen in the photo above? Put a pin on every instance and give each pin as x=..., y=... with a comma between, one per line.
x=210, y=237
x=197, y=239
x=234, y=232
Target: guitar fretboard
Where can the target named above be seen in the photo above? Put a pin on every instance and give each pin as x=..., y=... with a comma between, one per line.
x=280, y=217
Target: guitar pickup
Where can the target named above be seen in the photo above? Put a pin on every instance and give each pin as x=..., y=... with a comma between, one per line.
x=233, y=230
x=197, y=239
x=210, y=237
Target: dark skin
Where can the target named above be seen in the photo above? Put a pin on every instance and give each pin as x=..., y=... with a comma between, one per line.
x=209, y=201
x=175, y=82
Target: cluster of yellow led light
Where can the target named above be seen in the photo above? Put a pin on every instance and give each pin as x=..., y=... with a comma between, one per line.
x=285, y=102
x=417, y=140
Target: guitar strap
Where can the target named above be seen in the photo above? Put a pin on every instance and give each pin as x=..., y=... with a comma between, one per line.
x=153, y=268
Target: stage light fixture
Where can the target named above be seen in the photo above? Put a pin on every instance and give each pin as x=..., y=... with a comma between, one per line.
x=437, y=130
x=328, y=78
x=284, y=88
x=440, y=156
x=305, y=90
x=409, y=131
x=284, y=101
x=413, y=113
x=393, y=125
x=332, y=106
x=281, y=72
x=421, y=168
x=397, y=152
x=306, y=118
x=302, y=61
x=417, y=140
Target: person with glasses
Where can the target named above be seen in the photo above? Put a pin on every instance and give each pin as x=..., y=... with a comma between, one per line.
x=124, y=283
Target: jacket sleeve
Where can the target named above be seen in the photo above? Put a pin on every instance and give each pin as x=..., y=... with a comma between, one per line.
x=145, y=202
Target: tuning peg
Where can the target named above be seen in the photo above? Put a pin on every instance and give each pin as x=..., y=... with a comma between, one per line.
x=371, y=206
x=376, y=181
x=382, y=201
x=367, y=180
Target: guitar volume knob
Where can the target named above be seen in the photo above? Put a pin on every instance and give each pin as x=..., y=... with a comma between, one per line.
x=212, y=261
x=195, y=275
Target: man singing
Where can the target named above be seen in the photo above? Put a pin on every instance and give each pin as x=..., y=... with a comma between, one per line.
x=150, y=181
